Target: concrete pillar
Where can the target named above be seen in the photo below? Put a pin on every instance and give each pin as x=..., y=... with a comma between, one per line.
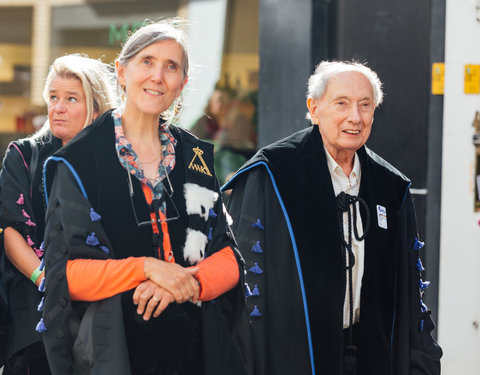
x=40, y=50
x=285, y=65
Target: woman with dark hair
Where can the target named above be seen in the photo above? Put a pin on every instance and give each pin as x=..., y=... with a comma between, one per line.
x=208, y=126
x=136, y=229
x=77, y=90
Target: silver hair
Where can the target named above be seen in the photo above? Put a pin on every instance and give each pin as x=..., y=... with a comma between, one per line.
x=326, y=70
x=169, y=29
x=97, y=81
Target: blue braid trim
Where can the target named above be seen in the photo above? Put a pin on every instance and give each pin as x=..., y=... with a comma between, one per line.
x=74, y=173
x=295, y=249
x=405, y=195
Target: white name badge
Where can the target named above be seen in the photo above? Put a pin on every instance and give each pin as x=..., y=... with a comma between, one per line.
x=382, y=217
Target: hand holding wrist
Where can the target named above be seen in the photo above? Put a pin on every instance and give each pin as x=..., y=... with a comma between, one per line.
x=177, y=280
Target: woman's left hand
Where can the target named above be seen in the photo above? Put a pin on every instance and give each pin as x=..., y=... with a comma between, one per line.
x=149, y=297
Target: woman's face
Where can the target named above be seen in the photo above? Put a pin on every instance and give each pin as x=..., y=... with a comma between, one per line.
x=67, y=108
x=217, y=101
x=153, y=78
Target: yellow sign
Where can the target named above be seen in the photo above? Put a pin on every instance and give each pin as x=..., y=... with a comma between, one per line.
x=472, y=79
x=438, y=78
x=196, y=166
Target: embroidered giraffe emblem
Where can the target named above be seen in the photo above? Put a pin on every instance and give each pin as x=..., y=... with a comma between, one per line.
x=198, y=164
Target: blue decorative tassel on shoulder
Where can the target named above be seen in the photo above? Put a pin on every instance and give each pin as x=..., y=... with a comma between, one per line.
x=256, y=291
x=94, y=216
x=418, y=244
x=421, y=325
x=41, y=326
x=42, y=265
x=210, y=234
x=255, y=312
x=104, y=249
x=256, y=248
x=41, y=287
x=423, y=307
x=40, y=305
x=212, y=214
x=424, y=284
x=420, y=265
x=248, y=293
x=258, y=225
x=256, y=269
x=92, y=240
x=42, y=246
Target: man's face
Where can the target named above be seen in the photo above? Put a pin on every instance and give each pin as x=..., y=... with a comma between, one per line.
x=344, y=113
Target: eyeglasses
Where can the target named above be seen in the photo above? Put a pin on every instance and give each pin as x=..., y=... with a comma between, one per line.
x=156, y=203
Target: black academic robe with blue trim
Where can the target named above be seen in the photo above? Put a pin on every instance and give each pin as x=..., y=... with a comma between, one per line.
x=107, y=336
x=296, y=267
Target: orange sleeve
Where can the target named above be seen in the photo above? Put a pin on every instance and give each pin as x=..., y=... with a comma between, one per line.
x=217, y=274
x=96, y=279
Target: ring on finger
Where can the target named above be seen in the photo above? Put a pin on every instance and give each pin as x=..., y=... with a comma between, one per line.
x=155, y=299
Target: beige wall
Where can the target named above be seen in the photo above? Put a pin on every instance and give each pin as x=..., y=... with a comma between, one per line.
x=12, y=55
x=12, y=107
x=241, y=59
x=107, y=55
x=239, y=67
x=240, y=62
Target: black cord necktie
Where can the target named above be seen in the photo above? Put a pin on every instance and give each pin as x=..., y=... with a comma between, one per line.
x=344, y=202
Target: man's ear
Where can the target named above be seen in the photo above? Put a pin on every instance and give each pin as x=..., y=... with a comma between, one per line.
x=312, y=106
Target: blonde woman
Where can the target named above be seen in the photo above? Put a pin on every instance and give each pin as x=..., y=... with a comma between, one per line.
x=77, y=90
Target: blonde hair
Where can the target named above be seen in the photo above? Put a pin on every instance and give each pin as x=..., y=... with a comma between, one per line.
x=96, y=78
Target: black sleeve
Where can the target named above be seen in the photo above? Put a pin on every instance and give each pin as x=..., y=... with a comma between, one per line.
x=424, y=352
x=247, y=206
x=226, y=326
x=69, y=234
x=15, y=194
x=16, y=291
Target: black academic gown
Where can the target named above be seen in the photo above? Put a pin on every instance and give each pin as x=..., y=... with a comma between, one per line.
x=21, y=194
x=298, y=276
x=107, y=337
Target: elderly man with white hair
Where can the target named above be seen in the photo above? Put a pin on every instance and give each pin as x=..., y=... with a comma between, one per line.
x=328, y=232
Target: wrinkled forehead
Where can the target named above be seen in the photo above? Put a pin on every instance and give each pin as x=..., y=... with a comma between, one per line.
x=349, y=84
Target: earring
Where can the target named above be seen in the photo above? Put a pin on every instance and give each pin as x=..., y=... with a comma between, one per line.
x=176, y=107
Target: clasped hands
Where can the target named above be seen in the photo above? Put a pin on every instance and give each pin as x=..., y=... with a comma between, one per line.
x=166, y=283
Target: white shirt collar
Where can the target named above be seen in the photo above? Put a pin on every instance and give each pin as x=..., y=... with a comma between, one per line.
x=333, y=166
